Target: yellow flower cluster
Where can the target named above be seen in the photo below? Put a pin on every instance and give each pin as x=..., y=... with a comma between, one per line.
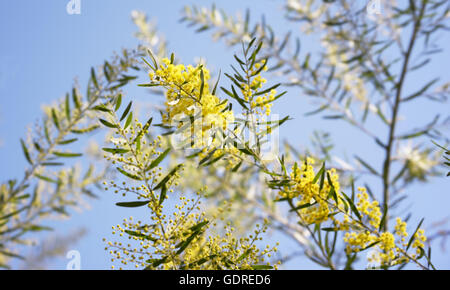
x=313, y=199
x=179, y=241
x=370, y=209
x=188, y=95
x=390, y=247
x=250, y=91
x=316, y=205
x=175, y=235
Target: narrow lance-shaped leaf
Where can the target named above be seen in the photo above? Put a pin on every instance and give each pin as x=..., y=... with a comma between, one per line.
x=94, y=78
x=75, y=99
x=118, y=102
x=66, y=154
x=132, y=203
x=67, y=107
x=319, y=173
x=115, y=150
x=26, y=152
x=215, y=86
x=413, y=236
x=67, y=141
x=125, y=113
x=167, y=177
x=366, y=165
x=202, y=85
x=158, y=160
x=55, y=118
x=129, y=175
x=128, y=121
x=352, y=206
x=145, y=128
x=163, y=194
x=108, y=124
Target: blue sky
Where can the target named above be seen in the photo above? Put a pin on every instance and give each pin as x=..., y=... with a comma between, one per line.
x=43, y=48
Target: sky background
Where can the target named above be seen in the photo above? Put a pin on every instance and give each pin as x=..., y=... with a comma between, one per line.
x=42, y=50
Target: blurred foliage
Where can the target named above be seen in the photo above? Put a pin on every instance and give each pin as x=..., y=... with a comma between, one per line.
x=359, y=77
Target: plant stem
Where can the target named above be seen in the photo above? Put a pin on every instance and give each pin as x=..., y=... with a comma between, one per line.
x=395, y=109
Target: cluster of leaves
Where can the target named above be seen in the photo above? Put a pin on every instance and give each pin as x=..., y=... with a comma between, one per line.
x=51, y=184
x=176, y=236
x=362, y=69
x=354, y=78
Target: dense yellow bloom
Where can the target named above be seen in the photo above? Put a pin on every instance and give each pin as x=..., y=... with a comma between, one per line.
x=309, y=192
x=259, y=103
x=188, y=95
x=370, y=209
x=361, y=223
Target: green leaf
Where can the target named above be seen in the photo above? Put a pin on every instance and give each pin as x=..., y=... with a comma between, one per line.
x=421, y=91
x=158, y=160
x=156, y=262
x=183, y=245
x=267, y=90
x=370, y=246
x=13, y=213
x=26, y=152
x=302, y=206
x=128, y=121
x=237, y=166
x=153, y=59
x=146, y=126
x=115, y=150
x=127, y=109
x=215, y=86
x=163, y=194
x=94, y=78
x=199, y=226
x=129, y=175
x=85, y=130
x=52, y=164
x=68, y=141
x=66, y=154
x=38, y=228
x=352, y=206
x=244, y=255
x=207, y=157
x=108, y=124
x=118, y=102
x=140, y=235
x=55, y=119
x=75, y=99
x=132, y=203
x=319, y=174
x=201, y=261
x=330, y=229
x=413, y=135
x=202, y=85
x=214, y=160
x=101, y=108
x=67, y=107
x=262, y=267
x=413, y=235
x=332, y=190
x=12, y=255
x=235, y=96
x=148, y=85
x=167, y=177
x=367, y=166
x=383, y=218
